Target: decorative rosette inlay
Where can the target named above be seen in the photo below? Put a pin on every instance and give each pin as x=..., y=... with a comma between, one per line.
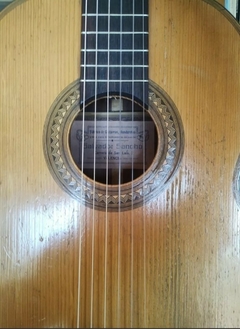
x=112, y=197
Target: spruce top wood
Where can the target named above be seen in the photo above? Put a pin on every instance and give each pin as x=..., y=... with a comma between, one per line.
x=172, y=263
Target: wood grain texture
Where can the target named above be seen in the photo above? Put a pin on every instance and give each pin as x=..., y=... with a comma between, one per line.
x=222, y=2
x=174, y=262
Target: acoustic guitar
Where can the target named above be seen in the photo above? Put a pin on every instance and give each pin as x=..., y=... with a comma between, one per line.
x=119, y=173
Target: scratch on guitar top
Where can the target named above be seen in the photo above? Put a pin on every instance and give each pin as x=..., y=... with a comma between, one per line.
x=200, y=147
x=7, y=253
x=16, y=263
x=40, y=320
x=223, y=140
x=165, y=53
x=3, y=80
x=195, y=70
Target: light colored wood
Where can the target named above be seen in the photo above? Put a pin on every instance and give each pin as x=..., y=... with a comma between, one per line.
x=174, y=262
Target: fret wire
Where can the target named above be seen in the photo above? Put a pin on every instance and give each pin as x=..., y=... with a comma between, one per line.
x=115, y=15
x=114, y=32
x=109, y=80
x=117, y=50
x=101, y=65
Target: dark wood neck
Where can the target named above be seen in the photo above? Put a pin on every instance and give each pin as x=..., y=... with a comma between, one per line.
x=114, y=55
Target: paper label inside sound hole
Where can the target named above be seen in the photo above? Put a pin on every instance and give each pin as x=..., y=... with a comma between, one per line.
x=112, y=144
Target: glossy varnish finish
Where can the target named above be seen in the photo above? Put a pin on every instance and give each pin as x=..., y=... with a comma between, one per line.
x=175, y=262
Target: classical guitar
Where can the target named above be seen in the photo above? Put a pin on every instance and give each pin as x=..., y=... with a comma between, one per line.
x=119, y=164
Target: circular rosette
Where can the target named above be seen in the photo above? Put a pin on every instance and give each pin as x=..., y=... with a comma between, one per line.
x=113, y=197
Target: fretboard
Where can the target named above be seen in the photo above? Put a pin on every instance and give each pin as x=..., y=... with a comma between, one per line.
x=114, y=55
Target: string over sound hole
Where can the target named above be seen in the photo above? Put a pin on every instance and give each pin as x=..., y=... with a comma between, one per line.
x=113, y=141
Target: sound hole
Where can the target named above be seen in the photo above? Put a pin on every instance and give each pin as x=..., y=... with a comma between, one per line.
x=113, y=141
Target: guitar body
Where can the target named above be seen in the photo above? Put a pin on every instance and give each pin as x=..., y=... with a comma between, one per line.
x=173, y=262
